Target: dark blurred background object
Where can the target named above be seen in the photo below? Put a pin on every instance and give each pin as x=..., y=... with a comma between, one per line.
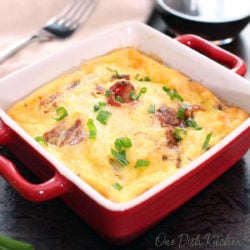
x=219, y=21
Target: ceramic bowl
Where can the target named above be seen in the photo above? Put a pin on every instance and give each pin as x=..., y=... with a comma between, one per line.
x=217, y=20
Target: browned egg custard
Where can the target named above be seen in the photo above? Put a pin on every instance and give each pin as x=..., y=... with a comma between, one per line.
x=124, y=122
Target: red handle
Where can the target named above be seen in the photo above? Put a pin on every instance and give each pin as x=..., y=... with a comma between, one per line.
x=5, y=137
x=214, y=52
x=53, y=188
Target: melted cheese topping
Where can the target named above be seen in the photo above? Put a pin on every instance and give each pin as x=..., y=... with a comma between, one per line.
x=153, y=140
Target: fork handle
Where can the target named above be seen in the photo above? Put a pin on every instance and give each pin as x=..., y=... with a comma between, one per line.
x=13, y=49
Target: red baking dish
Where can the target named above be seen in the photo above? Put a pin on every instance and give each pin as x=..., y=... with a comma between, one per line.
x=121, y=223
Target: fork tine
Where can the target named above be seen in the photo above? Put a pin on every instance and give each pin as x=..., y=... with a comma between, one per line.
x=79, y=14
x=70, y=18
x=74, y=14
x=83, y=12
x=65, y=11
x=72, y=11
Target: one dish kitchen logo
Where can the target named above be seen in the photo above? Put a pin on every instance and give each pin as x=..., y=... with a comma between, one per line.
x=185, y=240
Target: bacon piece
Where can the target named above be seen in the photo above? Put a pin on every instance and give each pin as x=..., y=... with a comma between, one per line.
x=74, y=134
x=220, y=106
x=73, y=85
x=164, y=157
x=60, y=136
x=168, y=116
x=171, y=140
x=178, y=161
x=112, y=100
x=53, y=136
x=99, y=89
x=122, y=89
x=189, y=112
x=50, y=102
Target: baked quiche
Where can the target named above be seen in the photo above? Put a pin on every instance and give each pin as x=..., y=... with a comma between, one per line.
x=124, y=122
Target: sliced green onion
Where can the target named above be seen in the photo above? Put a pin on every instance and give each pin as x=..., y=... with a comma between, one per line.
x=41, y=139
x=143, y=90
x=91, y=128
x=108, y=92
x=166, y=89
x=99, y=105
x=117, y=186
x=172, y=93
x=205, y=144
x=179, y=133
x=119, y=99
x=96, y=107
x=118, y=144
x=115, y=72
x=146, y=79
x=151, y=109
x=181, y=112
x=103, y=116
x=126, y=142
x=122, y=142
x=120, y=157
x=61, y=112
x=141, y=163
x=190, y=122
x=177, y=96
x=132, y=95
x=102, y=104
x=7, y=243
x=142, y=79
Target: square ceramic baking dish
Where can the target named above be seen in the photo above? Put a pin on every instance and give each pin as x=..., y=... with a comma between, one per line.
x=121, y=223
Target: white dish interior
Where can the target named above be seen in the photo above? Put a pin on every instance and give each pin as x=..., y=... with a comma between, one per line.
x=224, y=83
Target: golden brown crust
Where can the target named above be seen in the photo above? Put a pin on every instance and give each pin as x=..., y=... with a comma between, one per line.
x=163, y=138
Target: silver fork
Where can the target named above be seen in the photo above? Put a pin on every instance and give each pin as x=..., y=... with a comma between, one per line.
x=61, y=26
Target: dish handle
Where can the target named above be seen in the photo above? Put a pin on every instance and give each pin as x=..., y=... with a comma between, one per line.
x=214, y=52
x=55, y=187
x=50, y=189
